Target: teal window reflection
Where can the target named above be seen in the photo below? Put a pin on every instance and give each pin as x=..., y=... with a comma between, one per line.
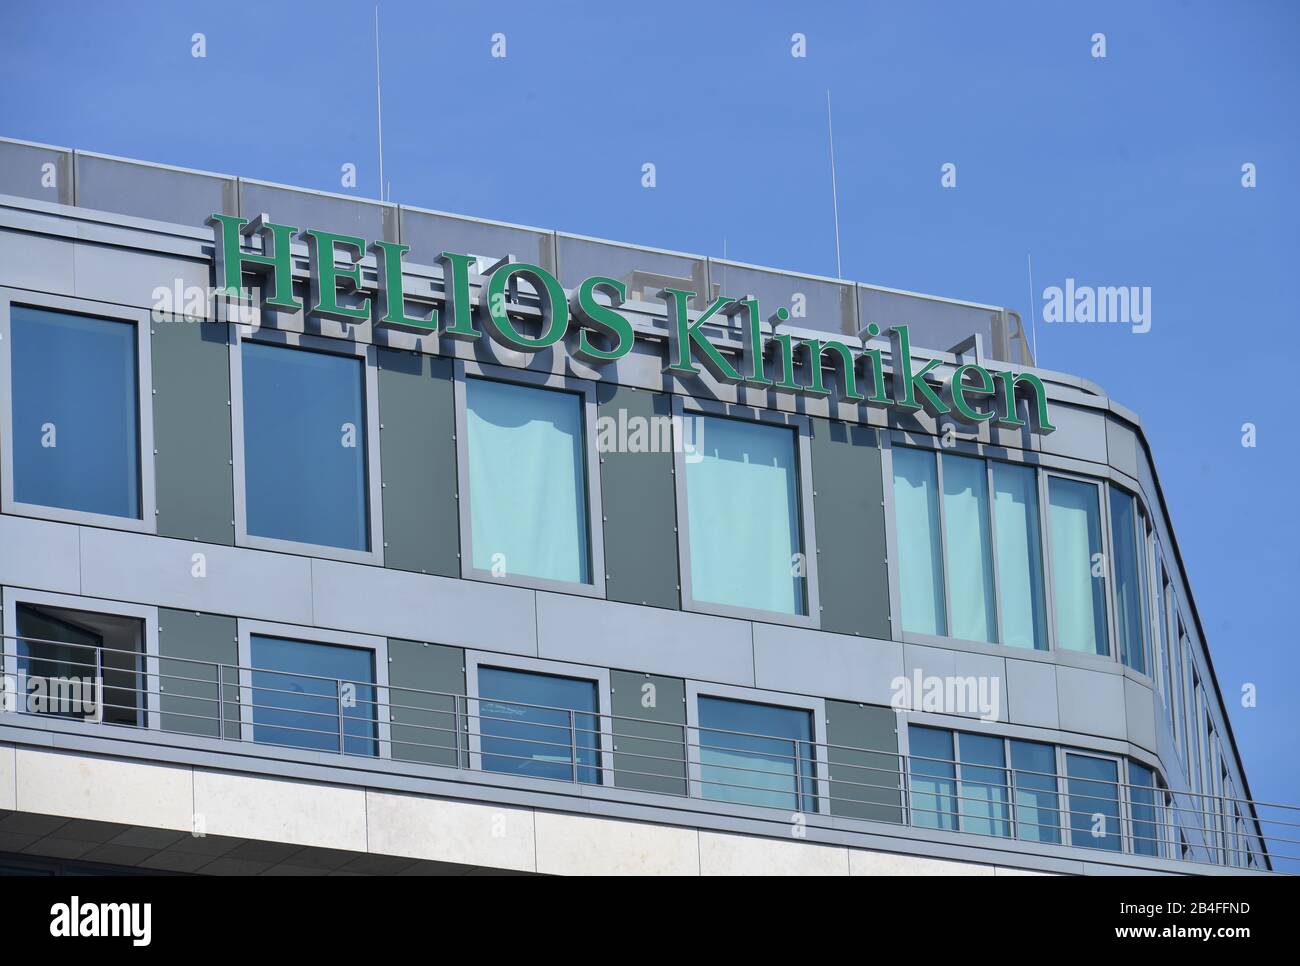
x=757, y=754
x=541, y=725
x=315, y=696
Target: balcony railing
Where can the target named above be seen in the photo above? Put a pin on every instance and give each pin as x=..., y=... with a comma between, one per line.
x=787, y=779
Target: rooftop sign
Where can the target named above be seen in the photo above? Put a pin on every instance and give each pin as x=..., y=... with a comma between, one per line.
x=973, y=393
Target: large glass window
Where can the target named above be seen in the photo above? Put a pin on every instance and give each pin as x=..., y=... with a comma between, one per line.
x=932, y=778
x=983, y=788
x=742, y=497
x=1093, y=786
x=527, y=480
x=1078, y=588
x=1037, y=814
x=311, y=695
x=757, y=754
x=1147, y=829
x=969, y=548
x=920, y=564
x=75, y=432
x=542, y=725
x=1019, y=555
x=305, y=446
x=1130, y=583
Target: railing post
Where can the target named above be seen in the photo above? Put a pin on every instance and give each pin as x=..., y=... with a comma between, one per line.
x=455, y=725
x=338, y=697
x=573, y=745
x=221, y=705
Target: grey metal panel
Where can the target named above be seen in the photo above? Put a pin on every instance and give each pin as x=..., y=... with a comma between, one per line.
x=149, y=191
x=988, y=670
x=830, y=665
x=149, y=569
x=609, y=634
x=189, y=689
x=430, y=233
x=865, y=775
x=1121, y=446
x=650, y=753
x=191, y=418
x=40, y=555
x=371, y=220
x=424, y=726
x=109, y=274
x=37, y=262
x=23, y=172
x=1031, y=694
x=418, y=463
x=848, y=505
x=639, y=505
x=1080, y=433
x=1091, y=702
x=395, y=603
x=1140, y=714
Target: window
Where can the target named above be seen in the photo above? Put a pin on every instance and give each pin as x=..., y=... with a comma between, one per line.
x=1078, y=591
x=527, y=479
x=540, y=725
x=1036, y=813
x=983, y=785
x=1147, y=830
x=315, y=696
x=88, y=665
x=743, y=516
x=920, y=561
x=757, y=754
x=933, y=778
x=1093, y=787
x=1127, y=530
x=76, y=432
x=968, y=543
x=305, y=459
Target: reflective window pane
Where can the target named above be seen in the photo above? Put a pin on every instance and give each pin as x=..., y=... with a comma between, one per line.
x=305, y=446
x=315, y=696
x=932, y=778
x=527, y=479
x=1128, y=579
x=540, y=725
x=984, y=808
x=916, y=510
x=76, y=442
x=1037, y=814
x=1142, y=807
x=969, y=548
x=1093, y=789
x=1077, y=594
x=742, y=496
x=1020, y=556
x=757, y=754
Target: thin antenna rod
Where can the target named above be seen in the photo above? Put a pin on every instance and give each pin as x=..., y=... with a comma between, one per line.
x=379, y=108
x=835, y=200
x=1033, y=320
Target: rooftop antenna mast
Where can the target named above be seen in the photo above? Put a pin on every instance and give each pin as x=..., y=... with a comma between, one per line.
x=379, y=108
x=835, y=201
x=1033, y=320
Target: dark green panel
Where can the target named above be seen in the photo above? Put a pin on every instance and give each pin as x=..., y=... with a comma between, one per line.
x=417, y=412
x=649, y=731
x=638, y=498
x=423, y=726
x=848, y=504
x=191, y=426
x=864, y=783
x=198, y=645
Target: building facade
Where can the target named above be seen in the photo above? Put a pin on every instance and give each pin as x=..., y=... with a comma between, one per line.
x=339, y=536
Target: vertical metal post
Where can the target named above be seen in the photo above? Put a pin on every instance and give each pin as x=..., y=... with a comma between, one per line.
x=573, y=745
x=338, y=696
x=455, y=724
x=221, y=705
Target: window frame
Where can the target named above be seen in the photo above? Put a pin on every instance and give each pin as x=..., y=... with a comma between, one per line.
x=1103, y=521
x=801, y=426
x=555, y=382
x=795, y=702
x=600, y=677
x=148, y=666
x=238, y=335
x=147, y=522
x=247, y=627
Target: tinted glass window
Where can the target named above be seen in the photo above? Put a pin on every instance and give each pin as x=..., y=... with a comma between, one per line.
x=757, y=754
x=541, y=725
x=311, y=695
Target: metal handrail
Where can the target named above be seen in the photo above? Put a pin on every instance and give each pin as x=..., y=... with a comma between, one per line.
x=580, y=746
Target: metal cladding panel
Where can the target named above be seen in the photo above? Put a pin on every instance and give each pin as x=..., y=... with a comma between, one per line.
x=35, y=171
x=188, y=702
x=638, y=499
x=650, y=753
x=424, y=727
x=865, y=778
x=418, y=462
x=848, y=505
x=191, y=418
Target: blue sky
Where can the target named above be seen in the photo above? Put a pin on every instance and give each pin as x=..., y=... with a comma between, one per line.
x=1117, y=171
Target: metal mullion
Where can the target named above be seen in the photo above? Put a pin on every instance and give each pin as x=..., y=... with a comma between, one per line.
x=1108, y=591
x=943, y=543
x=993, y=551
x=1045, y=547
